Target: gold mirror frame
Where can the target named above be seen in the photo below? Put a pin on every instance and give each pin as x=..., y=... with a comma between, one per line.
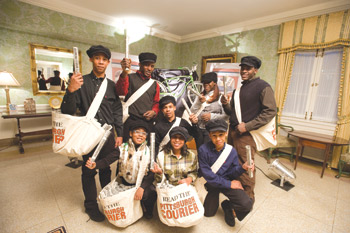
x=33, y=67
x=222, y=58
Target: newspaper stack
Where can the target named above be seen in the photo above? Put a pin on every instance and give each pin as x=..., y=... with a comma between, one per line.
x=113, y=189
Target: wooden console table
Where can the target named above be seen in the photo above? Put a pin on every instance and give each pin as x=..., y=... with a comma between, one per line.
x=316, y=140
x=21, y=134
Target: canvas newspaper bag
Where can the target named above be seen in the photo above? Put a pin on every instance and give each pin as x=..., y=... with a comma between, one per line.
x=75, y=136
x=265, y=136
x=179, y=205
x=134, y=97
x=117, y=200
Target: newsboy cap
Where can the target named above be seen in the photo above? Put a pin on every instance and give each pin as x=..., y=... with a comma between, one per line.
x=208, y=77
x=181, y=131
x=98, y=49
x=147, y=57
x=216, y=125
x=166, y=100
x=139, y=124
x=251, y=61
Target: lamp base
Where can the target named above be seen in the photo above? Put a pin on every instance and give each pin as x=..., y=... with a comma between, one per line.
x=286, y=185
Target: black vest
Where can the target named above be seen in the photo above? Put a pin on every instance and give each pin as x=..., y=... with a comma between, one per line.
x=143, y=103
x=250, y=101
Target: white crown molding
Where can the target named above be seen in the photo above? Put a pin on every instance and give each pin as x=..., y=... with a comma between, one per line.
x=268, y=21
x=262, y=22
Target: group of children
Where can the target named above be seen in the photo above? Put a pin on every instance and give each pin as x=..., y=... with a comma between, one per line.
x=182, y=165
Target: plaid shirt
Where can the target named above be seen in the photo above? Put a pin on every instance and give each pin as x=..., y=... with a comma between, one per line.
x=177, y=168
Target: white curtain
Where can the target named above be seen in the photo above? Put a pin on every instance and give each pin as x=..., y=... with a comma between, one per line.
x=299, y=87
x=325, y=108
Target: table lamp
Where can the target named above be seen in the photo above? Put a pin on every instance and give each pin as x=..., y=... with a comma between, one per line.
x=7, y=79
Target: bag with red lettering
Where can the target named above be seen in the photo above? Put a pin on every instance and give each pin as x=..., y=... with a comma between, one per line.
x=179, y=205
x=75, y=136
x=119, y=205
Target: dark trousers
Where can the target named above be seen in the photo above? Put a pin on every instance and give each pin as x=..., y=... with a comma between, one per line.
x=239, y=141
x=131, y=121
x=239, y=201
x=88, y=175
x=149, y=197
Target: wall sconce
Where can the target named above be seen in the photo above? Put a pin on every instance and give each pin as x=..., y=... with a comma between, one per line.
x=7, y=79
x=285, y=173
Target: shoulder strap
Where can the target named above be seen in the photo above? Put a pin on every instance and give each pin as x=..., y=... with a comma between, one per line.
x=238, y=105
x=139, y=92
x=95, y=105
x=167, y=137
x=222, y=158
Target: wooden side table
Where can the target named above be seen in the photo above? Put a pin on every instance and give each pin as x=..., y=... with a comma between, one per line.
x=21, y=134
x=316, y=140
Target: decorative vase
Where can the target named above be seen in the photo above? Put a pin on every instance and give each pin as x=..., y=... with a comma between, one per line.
x=29, y=105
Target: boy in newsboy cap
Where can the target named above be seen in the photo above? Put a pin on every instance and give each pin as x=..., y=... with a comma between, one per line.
x=223, y=178
x=79, y=95
x=146, y=107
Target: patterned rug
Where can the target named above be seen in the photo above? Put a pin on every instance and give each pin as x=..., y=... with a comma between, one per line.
x=60, y=229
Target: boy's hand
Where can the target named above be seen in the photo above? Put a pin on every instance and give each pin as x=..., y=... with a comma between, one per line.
x=156, y=169
x=206, y=117
x=149, y=115
x=224, y=100
x=89, y=164
x=139, y=194
x=76, y=81
x=118, y=141
x=246, y=166
x=187, y=181
x=193, y=118
x=235, y=184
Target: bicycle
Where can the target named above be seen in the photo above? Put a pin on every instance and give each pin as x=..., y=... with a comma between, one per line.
x=175, y=82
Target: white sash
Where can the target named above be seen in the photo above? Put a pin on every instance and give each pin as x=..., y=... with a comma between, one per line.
x=222, y=158
x=167, y=137
x=265, y=136
x=134, y=97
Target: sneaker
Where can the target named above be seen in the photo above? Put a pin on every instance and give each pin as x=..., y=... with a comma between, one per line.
x=229, y=218
x=95, y=215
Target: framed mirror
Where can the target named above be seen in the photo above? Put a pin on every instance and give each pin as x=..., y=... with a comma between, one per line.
x=51, y=68
x=222, y=58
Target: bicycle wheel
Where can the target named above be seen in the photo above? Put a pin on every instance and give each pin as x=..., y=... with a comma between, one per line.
x=162, y=89
x=198, y=87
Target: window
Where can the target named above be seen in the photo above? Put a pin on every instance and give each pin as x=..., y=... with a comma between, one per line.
x=314, y=86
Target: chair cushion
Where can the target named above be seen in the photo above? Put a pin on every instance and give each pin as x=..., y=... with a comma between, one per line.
x=345, y=157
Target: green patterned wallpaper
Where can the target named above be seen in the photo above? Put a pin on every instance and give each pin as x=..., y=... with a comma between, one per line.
x=262, y=43
x=22, y=23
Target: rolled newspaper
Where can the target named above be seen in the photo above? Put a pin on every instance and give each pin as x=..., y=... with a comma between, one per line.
x=224, y=82
x=249, y=159
x=76, y=59
x=126, y=45
x=186, y=106
x=194, y=92
x=107, y=129
x=152, y=148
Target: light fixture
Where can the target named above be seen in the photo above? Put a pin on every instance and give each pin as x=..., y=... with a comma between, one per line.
x=7, y=79
x=287, y=175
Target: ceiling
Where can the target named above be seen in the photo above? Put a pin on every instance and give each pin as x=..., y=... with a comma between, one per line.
x=188, y=20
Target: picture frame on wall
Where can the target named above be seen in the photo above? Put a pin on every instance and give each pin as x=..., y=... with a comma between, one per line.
x=221, y=58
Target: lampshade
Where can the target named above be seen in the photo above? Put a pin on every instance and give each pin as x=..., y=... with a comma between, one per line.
x=7, y=79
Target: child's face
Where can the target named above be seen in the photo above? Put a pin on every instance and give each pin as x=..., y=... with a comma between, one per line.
x=218, y=138
x=177, y=141
x=138, y=136
x=169, y=110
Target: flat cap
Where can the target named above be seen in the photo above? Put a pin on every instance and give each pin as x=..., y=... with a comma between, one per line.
x=98, y=49
x=216, y=125
x=147, y=57
x=139, y=124
x=208, y=77
x=166, y=100
x=181, y=131
x=251, y=61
